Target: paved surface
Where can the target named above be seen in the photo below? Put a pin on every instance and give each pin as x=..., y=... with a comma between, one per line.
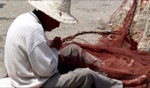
x=91, y=14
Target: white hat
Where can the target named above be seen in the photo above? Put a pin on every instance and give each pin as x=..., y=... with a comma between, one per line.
x=57, y=9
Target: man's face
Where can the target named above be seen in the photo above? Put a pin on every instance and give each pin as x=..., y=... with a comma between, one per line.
x=52, y=24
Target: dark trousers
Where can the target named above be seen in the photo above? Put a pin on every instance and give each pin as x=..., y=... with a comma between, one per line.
x=81, y=77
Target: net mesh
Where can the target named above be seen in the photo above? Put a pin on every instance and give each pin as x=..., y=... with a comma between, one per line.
x=120, y=50
x=141, y=24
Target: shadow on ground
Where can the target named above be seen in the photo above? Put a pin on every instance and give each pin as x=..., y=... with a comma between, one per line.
x=2, y=5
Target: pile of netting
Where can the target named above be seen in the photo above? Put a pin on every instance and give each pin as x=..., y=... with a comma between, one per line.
x=117, y=49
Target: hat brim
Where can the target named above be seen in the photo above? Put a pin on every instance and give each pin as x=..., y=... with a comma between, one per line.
x=60, y=16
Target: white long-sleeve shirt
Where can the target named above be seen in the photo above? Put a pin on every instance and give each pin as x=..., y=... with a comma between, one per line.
x=28, y=59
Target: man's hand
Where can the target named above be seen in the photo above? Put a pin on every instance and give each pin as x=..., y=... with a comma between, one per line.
x=56, y=43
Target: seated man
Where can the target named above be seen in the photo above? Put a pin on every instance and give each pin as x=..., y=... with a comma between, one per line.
x=31, y=61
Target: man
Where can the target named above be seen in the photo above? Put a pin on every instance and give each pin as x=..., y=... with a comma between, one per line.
x=31, y=61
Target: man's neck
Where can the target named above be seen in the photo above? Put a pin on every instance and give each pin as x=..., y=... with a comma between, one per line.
x=43, y=18
x=47, y=22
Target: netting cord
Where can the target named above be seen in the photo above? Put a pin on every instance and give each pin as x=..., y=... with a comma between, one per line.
x=69, y=38
x=129, y=17
x=118, y=10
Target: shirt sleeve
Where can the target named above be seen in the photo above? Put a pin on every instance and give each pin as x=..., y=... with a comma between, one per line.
x=43, y=60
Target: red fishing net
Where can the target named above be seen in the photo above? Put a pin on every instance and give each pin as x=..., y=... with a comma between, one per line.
x=119, y=52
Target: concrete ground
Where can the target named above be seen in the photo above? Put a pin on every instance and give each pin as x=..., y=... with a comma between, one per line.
x=91, y=14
